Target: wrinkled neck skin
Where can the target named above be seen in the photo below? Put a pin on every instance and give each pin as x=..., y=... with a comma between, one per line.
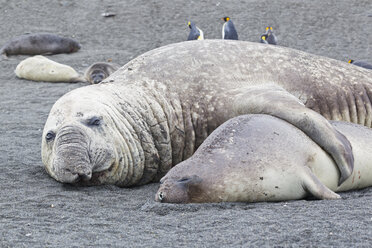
x=139, y=135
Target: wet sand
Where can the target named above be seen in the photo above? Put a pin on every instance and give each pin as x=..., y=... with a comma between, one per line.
x=36, y=211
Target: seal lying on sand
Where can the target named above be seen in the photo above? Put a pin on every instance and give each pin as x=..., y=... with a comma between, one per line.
x=39, y=43
x=157, y=109
x=39, y=68
x=99, y=71
x=254, y=158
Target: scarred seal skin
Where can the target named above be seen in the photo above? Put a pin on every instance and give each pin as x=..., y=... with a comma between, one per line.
x=157, y=109
x=39, y=43
x=254, y=158
x=99, y=71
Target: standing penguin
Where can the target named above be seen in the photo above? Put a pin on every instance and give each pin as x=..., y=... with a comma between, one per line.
x=360, y=63
x=228, y=29
x=269, y=37
x=264, y=39
x=195, y=32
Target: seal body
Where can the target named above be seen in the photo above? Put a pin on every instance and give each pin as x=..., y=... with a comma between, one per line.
x=40, y=68
x=254, y=158
x=39, y=43
x=99, y=71
x=157, y=109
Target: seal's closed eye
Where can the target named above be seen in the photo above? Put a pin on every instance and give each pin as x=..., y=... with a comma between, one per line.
x=94, y=121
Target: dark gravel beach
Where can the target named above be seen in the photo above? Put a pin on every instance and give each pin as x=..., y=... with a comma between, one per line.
x=37, y=211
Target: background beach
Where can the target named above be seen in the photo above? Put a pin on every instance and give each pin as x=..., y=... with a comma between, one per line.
x=36, y=211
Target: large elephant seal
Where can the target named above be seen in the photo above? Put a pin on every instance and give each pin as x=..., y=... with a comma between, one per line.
x=40, y=68
x=39, y=43
x=157, y=109
x=96, y=72
x=254, y=158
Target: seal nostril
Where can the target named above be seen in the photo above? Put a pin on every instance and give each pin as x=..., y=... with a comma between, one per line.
x=84, y=176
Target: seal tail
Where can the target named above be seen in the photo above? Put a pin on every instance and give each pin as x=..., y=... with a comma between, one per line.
x=315, y=187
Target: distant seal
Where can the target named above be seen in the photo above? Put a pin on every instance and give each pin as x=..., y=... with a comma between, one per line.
x=254, y=158
x=99, y=71
x=39, y=43
x=40, y=68
x=157, y=109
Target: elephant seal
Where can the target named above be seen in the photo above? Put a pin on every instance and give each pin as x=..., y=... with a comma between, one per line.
x=39, y=43
x=254, y=158
x=40, y=68
x=157, y=109
x=99, y=71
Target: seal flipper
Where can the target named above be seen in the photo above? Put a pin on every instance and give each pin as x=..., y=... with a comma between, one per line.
x=315, y=187
x=273, y=100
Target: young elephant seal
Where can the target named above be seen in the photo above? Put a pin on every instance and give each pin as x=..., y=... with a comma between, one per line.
x=39, y=43
x=255, y=158
x=156, y=110
x=99, y=71
x=39, y=68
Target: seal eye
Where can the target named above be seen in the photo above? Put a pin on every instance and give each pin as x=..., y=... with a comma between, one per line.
x=161, y=196
x=95, y=121
x=50, y=136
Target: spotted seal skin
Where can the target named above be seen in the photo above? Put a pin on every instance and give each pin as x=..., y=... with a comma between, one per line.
x=39, y=43
x=99, y=71
x=157, y=109
x=254, y=158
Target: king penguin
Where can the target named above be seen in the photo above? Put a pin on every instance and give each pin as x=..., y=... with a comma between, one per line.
x=195, y=32
x=360, y=63
x=228, y=29
x=270, y=37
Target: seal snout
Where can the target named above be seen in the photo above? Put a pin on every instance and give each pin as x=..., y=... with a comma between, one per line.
x=72, y=162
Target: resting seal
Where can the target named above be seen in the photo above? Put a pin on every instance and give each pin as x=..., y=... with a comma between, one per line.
x=254, y=158
x=40, y=68
x=39, y=43
x=99, y=71
x=157, y=109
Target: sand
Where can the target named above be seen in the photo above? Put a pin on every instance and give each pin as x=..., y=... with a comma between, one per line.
x=36, y=211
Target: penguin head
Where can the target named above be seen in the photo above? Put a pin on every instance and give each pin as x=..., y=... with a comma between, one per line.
x=263, y=37
x=226, y=18
x=350, y=61
x=269, y=30
x=189, y=23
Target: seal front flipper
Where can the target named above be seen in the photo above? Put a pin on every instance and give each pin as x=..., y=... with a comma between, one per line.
x=273, y=100
x=315, y=187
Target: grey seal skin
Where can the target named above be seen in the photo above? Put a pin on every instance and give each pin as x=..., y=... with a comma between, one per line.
x=99, y=71
x=228, y=29
x=157, y=109
x=39, y=43
x=254, y=158
x=195, y=32
x=360, y=63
